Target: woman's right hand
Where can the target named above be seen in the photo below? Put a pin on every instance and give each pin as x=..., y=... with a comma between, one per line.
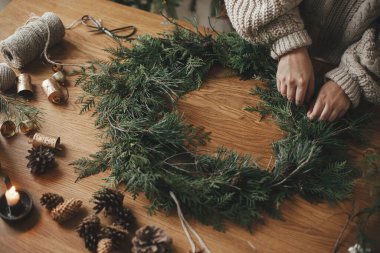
x=295, y=76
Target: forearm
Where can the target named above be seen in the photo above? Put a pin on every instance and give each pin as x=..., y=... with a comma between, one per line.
x=359, y=71
x=276, y=22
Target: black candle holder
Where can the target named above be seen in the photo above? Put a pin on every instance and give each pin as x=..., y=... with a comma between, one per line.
x=19, y=211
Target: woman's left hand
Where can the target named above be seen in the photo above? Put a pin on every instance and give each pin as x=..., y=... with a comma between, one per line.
x=331, y=103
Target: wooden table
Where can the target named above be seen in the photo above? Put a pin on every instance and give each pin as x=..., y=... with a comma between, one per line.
x=217, y=106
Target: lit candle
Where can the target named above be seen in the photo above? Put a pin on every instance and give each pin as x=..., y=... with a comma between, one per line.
x=12, y=196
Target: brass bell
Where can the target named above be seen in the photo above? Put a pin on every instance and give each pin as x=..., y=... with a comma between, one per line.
x=8, y=128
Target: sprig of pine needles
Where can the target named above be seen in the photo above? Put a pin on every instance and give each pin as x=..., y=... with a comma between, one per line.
x=16, y=109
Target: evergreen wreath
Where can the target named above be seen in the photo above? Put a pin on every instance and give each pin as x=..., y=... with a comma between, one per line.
x=148, y=148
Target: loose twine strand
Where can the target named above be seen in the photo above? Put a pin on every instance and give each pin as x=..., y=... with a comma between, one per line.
x=186, y=227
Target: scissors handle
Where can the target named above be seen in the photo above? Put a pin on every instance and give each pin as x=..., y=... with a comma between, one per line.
x=130, y=28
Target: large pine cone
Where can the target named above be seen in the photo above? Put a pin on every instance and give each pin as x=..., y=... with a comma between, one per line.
x=40, y=159
x=116, y=233
x=51, y=200
x=108, y=199
x=104, y=246
x=151, y=239
x=66, y=210
x=89, y=225
x=124, y=217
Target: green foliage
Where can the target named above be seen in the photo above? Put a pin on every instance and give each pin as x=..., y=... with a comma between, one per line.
x=372, y=162
x=154, y=5
x=16, y=109
x=148, y=148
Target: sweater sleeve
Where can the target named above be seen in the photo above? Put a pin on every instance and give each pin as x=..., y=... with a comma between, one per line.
x=275, y=21
x=359, y=70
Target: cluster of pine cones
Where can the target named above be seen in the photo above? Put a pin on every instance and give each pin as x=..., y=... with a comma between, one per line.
x=98, y=238
x=104, y=239
x=60, y=209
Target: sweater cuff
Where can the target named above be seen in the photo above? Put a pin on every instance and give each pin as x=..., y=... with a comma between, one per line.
x=341, y=76
x=290, y=42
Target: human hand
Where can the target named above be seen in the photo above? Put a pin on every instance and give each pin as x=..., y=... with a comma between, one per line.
x=295, y=76
x=331, y=103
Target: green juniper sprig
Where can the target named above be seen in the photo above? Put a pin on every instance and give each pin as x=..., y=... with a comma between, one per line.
x=18, y=110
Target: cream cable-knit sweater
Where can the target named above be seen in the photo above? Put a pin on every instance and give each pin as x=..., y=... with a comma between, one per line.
x=344, y=33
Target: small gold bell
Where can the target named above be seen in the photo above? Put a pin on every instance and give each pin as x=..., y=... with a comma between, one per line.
x=52, y=90
x=59, y=77
x=8, y=128
x=26, y=127
x=24, y=86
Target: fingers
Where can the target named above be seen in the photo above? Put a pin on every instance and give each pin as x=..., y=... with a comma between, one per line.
x=310, y=89
x=300, y=95
x=291, y=92
x=316, y=111
x=333, y=116
x=283, y=89
x=325, y=113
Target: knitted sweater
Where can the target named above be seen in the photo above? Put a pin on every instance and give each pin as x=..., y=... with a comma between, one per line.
x=344, y=33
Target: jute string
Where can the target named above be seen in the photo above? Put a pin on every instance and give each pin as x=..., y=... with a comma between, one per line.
x=30, y=40
x=186, y=227
x=7, y=77
x=33, y=39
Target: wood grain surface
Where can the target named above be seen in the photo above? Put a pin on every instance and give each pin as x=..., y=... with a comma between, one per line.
x=217, y=106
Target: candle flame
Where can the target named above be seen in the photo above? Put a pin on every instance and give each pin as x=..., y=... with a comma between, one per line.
x=12, y=189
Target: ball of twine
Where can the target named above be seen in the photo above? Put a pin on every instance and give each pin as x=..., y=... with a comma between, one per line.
x=29, y=41
x=7, y=77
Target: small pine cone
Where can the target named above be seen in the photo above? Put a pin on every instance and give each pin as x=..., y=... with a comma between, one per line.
x=104, y=246
x=124, y=217
x=239, y=181
x=151, y=239
x=116, y=233
x=91, y=242
x=107, y=199
x=66, y=210
x=40, y=159
x=89, y=225
x=51, y=200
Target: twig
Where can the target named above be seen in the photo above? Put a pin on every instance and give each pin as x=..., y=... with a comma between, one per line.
x=350, y=216
x=303, y=164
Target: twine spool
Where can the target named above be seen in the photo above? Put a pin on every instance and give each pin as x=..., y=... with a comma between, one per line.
x=7, y=77
x=8, y=128
x=24, y=86
x=46, y=141
x=28, y=42
x=52, y=90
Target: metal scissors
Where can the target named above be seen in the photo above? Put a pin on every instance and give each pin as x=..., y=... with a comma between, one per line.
x=97, y=26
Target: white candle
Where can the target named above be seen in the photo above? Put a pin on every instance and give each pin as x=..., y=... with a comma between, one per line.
x=12, y=196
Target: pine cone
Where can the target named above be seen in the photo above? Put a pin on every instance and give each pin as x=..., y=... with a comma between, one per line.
x=91, y=242
x=239, y=181
x=51, y=200
x=66, y=210
x=151, y=239
x=108, y=199
x=124, y=217
x=104, y=246
x=89, y=225
x=116, y=233
x=40, y=159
